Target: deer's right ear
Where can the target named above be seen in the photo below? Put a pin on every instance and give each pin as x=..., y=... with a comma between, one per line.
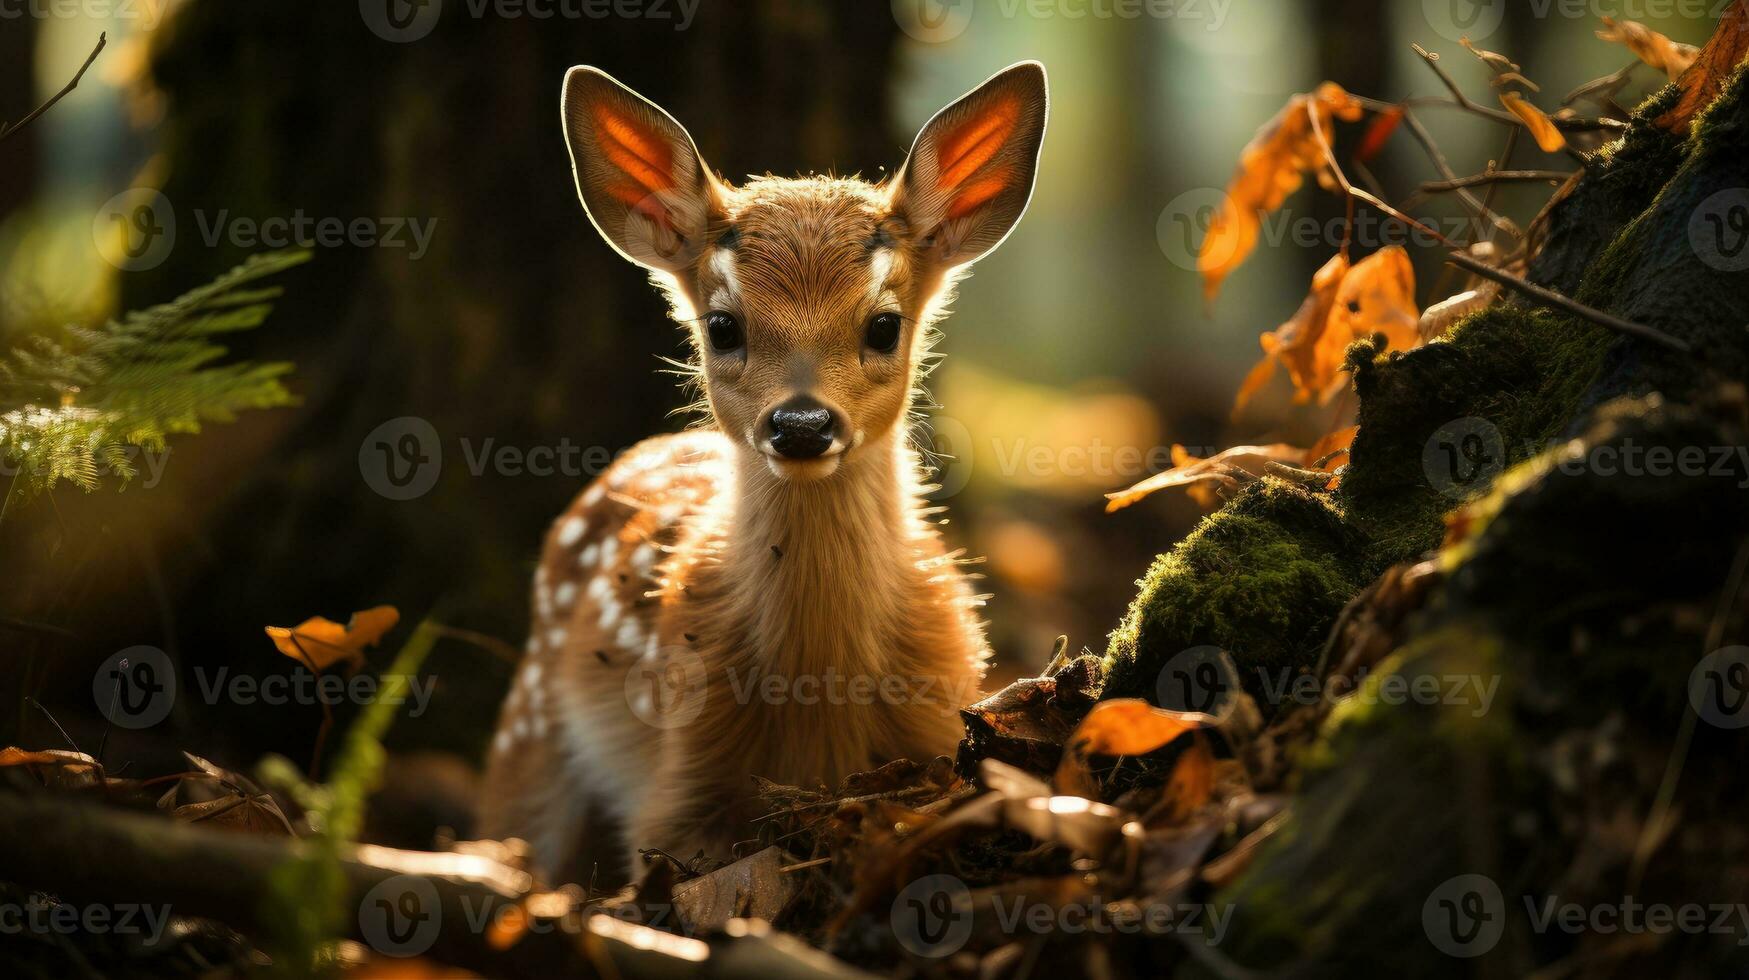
x=639, y=175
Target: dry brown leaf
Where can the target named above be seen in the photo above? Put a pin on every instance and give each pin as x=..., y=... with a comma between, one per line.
x=1331, y=447
x=1192, y=782
x=1271, y=166
x=1296, y=343
x=320, y=643
x=1705, y=78
x=1226, y=468
x=1670, y=57
x=1541, y=127
x=1497, y=62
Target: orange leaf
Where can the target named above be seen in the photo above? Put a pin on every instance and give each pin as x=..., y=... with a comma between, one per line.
x=1705, y=79
x=1120, y=726
x=1296, y=343
x=1378, y=133
x=1376, y=296
x=1192, y=782
x=320, y=643
x=1541, y=127
x=1650, y=46
x=1333, y=445
x=1271, y=166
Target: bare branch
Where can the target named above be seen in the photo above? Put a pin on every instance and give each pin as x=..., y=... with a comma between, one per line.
x=7, y=131
x=1493, y=176
x=1550, y=298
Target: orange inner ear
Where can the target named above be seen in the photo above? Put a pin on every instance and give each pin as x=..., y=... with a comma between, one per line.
x=961, y=152
x=641, y=154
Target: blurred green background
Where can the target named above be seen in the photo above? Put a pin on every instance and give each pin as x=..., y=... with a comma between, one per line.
x=1084, y=334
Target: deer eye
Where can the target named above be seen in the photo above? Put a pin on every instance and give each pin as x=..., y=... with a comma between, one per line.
x=724, y=331
x=883, y=332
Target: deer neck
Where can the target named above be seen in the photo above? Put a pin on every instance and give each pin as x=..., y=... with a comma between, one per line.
x=826, y=569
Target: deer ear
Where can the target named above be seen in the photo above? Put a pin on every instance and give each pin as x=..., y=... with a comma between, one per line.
x=639, y=175
x=969, y=175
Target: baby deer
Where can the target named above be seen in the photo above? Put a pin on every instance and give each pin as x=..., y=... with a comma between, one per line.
x=767, y=596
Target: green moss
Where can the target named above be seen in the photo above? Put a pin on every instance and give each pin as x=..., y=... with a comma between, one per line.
x=1261, y=578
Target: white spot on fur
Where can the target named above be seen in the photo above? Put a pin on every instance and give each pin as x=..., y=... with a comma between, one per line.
x=653, y=647
x=630, y=634
x=571, y=531
x=644, y=559
x=599, y=588
x=565, y=595
x=531, y=674
x=593, y=495
x=723, y=264
x=610, y=611
x=609, y=551
x=556, y=637
x=643, y=702
x=880, y=265
x=590, y=555
x=501, y=741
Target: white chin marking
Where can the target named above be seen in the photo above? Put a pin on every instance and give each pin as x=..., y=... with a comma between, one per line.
x=817, y=468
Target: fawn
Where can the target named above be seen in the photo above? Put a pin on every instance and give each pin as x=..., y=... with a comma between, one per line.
x=767, y=596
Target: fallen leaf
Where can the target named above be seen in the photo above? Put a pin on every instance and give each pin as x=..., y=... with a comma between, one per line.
x=1541, y=127
x=1651, y=47
x=1192, y=782
x=1228, y=468
x=320, y=643
x=1271, y=166
x=1705, y=78
x=1119, y=726
x=753, y=887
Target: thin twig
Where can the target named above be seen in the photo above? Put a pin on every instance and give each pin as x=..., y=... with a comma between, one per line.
x=1356, y=193
x=1492, y=176
x=6, y=131
x=1548, y=297
x=1434, y=154
x=1579, y=124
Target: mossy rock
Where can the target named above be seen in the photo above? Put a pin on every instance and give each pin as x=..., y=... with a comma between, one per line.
x=1262, y=578
x=1573, y=599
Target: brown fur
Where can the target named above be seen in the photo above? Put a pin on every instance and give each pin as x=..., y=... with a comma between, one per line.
x=707, y=612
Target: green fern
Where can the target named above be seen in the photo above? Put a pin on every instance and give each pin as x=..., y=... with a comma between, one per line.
x=76, y=406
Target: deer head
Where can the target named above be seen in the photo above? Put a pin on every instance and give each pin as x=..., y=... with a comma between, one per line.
x=810, y=300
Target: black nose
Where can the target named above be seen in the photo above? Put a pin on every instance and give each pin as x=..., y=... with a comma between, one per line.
x=801, y=428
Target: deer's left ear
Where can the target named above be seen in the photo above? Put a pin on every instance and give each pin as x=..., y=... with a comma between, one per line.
x=969, y=175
